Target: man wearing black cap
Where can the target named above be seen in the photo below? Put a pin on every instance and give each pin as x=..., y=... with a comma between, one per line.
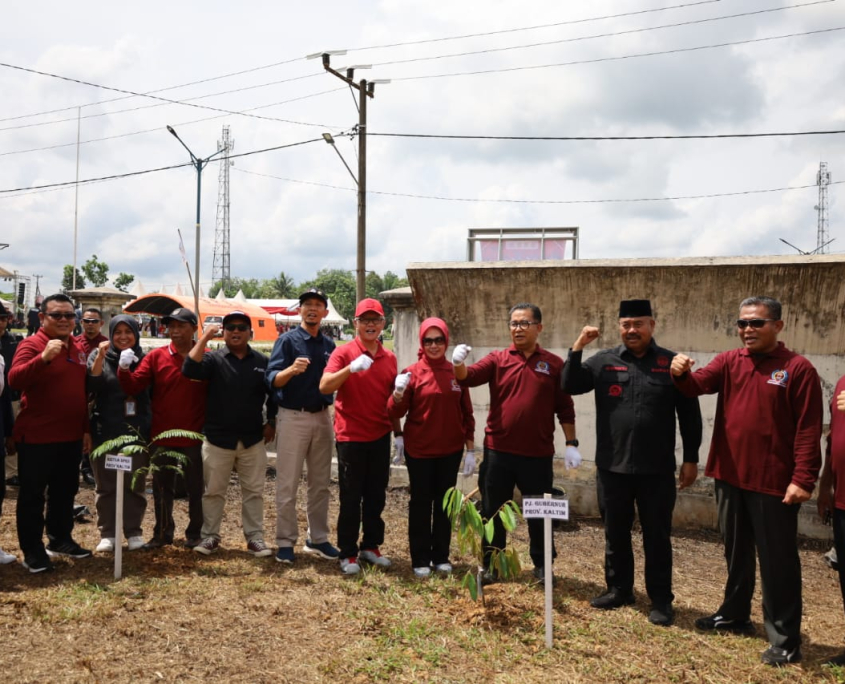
x=177, y=403
x=235, y=429
x=636, y=404
x=296, y=366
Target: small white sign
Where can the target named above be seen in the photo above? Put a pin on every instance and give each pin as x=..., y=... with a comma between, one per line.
x=545, y=508
x=119, y=463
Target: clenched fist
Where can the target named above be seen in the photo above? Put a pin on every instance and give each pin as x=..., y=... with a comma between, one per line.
x=52, y=350
x=681, y=364
x=588, y=334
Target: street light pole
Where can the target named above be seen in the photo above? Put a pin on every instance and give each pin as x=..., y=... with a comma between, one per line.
x=199, y=165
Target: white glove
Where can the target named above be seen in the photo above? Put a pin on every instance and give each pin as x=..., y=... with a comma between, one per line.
x=469, y=462
x=460, y=354
x=571, y=457
x=400, y=450
x=401, y=384
x=127, y=358
x=362, y=363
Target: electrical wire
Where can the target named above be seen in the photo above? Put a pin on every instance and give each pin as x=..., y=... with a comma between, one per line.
x=597, y=60
x=604, y=137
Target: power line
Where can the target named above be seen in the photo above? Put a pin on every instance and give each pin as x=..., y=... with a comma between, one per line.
x=368, y=47
x=605, y=137
x=601, y=35
x=533, y=201
x=154, y=97
x=597, y=60
x=161, y=168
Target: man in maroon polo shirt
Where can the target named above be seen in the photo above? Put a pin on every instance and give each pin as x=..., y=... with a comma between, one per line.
x=519, y=445
x=88, y=341
x=51, y=432
x=362, y=373
x=177, y=403
x=764, y=457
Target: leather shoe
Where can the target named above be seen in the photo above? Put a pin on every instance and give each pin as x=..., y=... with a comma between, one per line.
x=156, y=543
x=88, y=477
x=661, y=614
x=612, y=599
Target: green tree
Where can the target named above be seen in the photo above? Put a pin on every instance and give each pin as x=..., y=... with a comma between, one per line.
x=123, y=281
x=339, y=286
x=97, y=272
x=67, y=278
x=282, y=286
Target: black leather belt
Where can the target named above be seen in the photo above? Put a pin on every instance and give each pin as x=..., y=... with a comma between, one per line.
x=308, y=409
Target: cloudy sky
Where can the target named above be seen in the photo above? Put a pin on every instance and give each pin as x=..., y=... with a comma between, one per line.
x=492, y=68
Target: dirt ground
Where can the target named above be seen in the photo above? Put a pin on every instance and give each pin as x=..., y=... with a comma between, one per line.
x=178, y=616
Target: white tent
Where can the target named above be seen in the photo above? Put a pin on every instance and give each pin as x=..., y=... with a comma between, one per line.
x=240, y=297
x=137, y=289
x=178, y=290
x=334, y=318
x=221, y=295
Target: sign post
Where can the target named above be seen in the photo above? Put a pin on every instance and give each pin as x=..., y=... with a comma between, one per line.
x=547, y=508
x=122, y=464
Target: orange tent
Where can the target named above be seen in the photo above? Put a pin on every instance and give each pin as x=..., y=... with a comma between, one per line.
x=211, y=310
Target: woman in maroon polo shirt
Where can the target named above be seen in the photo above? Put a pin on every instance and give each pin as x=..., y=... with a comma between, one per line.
x=439, y=423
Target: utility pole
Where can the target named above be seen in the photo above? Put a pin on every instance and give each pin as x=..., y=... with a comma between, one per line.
x=365, y=89
x=220, y=269
x=823, y=229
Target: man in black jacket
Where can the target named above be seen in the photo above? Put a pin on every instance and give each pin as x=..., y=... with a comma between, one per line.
x=636, y=403
x=8, y=345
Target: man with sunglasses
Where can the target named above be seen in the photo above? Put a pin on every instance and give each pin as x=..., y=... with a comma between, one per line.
x=235, y=429
x=88, y=341
x=296, y=365
x=636, y=405
x=51, y=433
x=765, y=457
x=362, y=373
x=519, y=444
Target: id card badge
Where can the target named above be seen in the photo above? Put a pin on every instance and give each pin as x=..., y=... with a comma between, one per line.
x=129, y=407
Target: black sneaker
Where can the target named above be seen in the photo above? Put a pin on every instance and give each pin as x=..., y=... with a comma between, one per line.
x=777, y=656
x=540, y=575
x=612, y=599
x=88, y=477
x=720, y=622
x=37, y=562
x=67, y=548
x=661, y=614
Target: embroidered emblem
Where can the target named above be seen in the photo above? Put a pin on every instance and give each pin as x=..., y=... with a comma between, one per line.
x=542, y=367
x=614, y=391
x=779, y=378
x=663, y=361
x=455, y=386
x=615, y=368
x=82, y=360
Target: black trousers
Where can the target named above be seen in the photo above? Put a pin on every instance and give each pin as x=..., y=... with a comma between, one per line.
x=164, y=482
x=363, y=472
x=839, y=544
x=653, y=495
x=534, y=476
x=748, y=520
x=49, y=474
x=429, y=527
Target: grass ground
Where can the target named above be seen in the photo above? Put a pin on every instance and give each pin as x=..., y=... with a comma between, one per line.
x=177, y=616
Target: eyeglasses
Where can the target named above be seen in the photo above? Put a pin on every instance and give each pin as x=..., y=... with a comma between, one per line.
x=370, y=321
x=756, y=323
x=240, y=327
x=91, y=320
x=57, y=316
x=521, y=325
x=428, y=341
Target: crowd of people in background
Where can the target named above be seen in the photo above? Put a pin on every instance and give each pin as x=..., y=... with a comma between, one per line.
x=216, y=411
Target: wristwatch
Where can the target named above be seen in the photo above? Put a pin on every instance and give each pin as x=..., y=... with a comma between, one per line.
x=572, y=442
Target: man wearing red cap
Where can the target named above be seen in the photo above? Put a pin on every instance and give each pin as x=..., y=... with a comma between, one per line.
x=362, y=373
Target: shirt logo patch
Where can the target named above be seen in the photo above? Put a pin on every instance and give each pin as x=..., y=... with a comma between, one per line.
x=82, y=358
x=779, y=378
x=542, y=367
x=615, y=368
x=614, y=391
x=663, y=361
x=455, y=386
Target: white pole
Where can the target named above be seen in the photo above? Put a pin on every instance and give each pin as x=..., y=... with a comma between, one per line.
x=547, y=570
x=118, y=528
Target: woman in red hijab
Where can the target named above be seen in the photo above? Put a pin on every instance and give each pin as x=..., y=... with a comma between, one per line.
x=439, y=423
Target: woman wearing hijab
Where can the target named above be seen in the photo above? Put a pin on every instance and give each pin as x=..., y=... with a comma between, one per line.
x=439, y=423
x=116, y=414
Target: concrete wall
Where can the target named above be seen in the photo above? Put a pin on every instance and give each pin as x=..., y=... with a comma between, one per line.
x=695, y=303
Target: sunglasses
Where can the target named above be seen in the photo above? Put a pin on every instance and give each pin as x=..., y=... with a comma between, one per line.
x=91, y=320
x=57, y=316
x=240, y=327
x=755, y=323
x=428, y=341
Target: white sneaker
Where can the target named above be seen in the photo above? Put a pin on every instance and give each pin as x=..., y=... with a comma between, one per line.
x=422, y=571
x=6, y=558
x=445, y=568
x=106, y=545
x=374, y=557
x=135, y=543
x=349, y=566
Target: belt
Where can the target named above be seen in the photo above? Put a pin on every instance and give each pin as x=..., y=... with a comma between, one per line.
x=308, y=409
